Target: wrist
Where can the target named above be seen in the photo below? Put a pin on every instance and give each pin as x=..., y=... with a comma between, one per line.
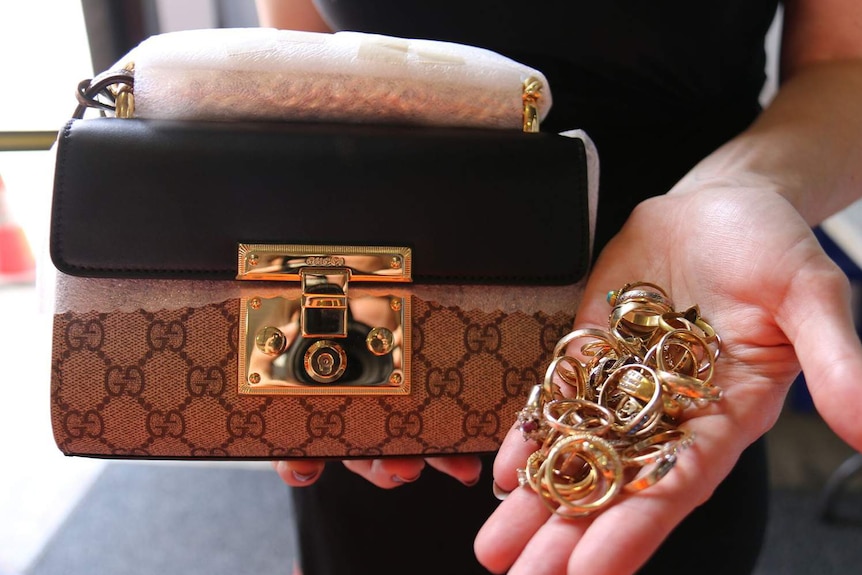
x=748, y=166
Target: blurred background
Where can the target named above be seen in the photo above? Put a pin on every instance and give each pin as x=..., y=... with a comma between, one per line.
x=75, y=516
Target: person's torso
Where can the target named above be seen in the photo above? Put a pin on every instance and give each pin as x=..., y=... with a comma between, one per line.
x=657, y=84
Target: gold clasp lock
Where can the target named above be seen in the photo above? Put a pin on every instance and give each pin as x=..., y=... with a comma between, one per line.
x=319, y=338
x=324, y=302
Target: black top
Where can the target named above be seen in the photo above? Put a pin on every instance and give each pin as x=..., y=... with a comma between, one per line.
x=658, y=85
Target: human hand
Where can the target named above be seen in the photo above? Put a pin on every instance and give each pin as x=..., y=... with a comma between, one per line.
x=761, y=279
x=385, y=473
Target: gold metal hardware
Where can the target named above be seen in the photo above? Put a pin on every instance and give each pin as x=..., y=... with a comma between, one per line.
x=324, y=302
x=270, y=341
x=325, y=361
x=380, y=341
x=532, y=93
x=124, y=96
x=284, y=262
x=320, y=339
x=125, y=102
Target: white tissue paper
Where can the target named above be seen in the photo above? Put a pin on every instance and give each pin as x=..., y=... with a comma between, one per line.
x=260, y=73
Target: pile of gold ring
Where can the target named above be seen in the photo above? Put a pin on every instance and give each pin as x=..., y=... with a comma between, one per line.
x=606, y=417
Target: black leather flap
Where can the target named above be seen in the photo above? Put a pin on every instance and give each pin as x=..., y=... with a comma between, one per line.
x=157, y=199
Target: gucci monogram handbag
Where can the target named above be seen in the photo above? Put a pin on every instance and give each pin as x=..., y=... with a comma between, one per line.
x=278, y=244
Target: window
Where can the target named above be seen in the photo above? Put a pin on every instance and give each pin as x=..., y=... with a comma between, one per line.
x=45, y=55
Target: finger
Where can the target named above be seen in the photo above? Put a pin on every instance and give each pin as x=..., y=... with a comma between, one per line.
x=636, y=529
x=512, y=456
x=387, y=473
x=615, y=541
x=506, y=533
x=464, y=468
x=299, y=473
x=816, y=316
x=622, y=537
x=619, y=539
x=548, y=552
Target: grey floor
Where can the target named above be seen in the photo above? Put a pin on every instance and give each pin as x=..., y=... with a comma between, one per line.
x=801, y=538
x=803, y=451
x=159, y=519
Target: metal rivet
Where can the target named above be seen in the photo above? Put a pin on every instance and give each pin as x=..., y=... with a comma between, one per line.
x=270, y=340
x=395, y=304
x=254, y=378
x=253, y=259
x=380, y=341
x=254, y=303
x=395, y=378
x=395, y=263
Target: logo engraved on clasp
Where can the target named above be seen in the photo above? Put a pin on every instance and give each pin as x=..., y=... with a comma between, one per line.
x=325, y=261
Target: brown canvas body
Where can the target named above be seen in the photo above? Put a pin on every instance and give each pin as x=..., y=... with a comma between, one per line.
x=164, y=385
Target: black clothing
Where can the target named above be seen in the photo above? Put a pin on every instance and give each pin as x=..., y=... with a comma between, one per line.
x=658, y=86
x=347, y=526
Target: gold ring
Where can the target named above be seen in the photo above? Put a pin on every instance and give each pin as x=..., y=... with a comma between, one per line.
x=701, y=362
x=575, y=377
x=572, y=415
x=659, y=470
x=583, y=333
x=615, y=297
x=614, y=429
x=650, y=450
x=647, y=416
x=598, y=454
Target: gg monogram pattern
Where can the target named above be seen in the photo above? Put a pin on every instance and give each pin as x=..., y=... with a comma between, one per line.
x=164, y=385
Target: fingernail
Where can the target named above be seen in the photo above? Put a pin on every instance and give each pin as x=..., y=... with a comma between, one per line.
x=399, y=479
x=304, y=477
x=471, y=482
x=499, y=492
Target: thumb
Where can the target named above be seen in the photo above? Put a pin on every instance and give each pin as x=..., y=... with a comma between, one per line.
x=816, y=317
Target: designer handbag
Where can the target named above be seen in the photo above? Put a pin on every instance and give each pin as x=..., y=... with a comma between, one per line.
x=281, y=244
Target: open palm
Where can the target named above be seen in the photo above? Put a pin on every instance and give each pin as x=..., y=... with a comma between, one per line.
x=750, y=262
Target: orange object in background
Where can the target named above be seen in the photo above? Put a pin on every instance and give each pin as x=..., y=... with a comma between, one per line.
x=16, y=260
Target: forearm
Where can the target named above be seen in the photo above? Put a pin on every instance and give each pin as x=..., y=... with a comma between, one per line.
x=290, y=15
x=807, y=144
